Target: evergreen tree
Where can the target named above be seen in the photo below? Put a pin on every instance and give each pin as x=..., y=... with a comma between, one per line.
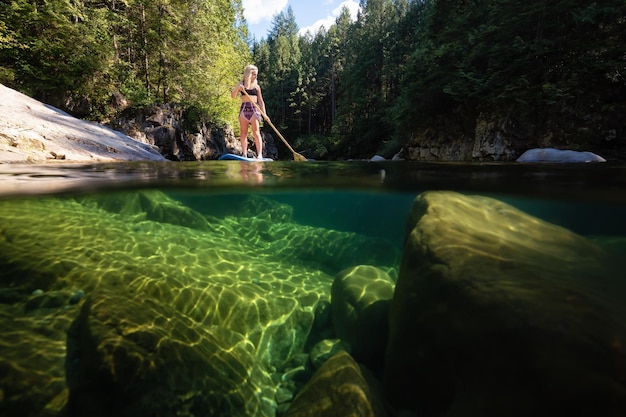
x=337, y=49
x=369, y=82
x=283, y=72
x=510, y=54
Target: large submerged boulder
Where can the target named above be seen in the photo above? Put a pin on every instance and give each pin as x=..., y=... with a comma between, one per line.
x=499, y=313
x=134, y=356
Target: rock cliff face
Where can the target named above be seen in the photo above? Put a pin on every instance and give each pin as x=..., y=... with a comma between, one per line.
x=166, y=127
x=504, y=135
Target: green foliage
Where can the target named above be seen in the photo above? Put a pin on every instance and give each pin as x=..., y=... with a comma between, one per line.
x=370, y=81
x=351, y=90
x=366, y=85
x=511, y=53
x=55, y=49
x=193, y=116
x=282, y=72
x=314, y=146
x=77, y=54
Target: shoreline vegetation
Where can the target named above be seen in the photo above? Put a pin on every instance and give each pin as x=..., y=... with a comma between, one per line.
x=461, y=82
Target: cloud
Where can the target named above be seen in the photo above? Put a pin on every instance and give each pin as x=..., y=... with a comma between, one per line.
x=255, y=11
x=353, y=7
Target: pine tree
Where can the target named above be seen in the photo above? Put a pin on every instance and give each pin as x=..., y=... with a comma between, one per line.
x=283, y=72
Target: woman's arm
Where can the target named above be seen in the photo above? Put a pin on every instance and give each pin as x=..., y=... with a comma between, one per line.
x=236, y=90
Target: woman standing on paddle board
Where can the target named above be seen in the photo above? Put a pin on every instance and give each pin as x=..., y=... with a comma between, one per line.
x=249, y=115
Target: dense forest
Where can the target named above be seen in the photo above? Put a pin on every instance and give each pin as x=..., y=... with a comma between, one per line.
x=88, y=56
x=359, y=87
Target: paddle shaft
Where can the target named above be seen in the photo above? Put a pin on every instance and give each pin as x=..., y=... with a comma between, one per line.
x=296, y=155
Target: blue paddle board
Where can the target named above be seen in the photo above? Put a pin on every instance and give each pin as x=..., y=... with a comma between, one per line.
x=233, y=157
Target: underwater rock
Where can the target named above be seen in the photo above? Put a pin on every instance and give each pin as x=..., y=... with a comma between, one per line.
x=283, y=396
x=496, y=312
x=322, y=315
x=264, y=208
x=76, y=297
x=150, y=205
x=291, y=377
x=338, y=389
x=331, y=250
x=325, y=349
x=360, y=301
x=139, y=357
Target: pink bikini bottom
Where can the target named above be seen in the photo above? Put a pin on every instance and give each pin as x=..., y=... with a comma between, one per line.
x=249, y=111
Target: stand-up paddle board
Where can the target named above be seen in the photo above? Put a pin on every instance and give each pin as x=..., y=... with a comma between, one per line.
x=233, y=157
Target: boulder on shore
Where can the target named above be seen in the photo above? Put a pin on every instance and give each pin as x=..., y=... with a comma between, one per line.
x=558, y=155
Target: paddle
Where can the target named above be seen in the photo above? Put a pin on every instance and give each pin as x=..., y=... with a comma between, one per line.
x=296, y=155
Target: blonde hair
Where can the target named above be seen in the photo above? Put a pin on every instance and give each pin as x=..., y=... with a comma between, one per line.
x=246, y=76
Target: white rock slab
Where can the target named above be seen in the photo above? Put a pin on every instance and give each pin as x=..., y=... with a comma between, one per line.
x=31, y=131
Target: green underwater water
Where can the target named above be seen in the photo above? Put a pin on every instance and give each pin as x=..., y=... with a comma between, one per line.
x=208, y=285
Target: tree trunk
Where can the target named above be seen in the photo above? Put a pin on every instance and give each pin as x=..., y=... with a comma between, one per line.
x=145, y=48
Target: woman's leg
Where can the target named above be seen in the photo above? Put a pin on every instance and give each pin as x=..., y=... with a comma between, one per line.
x=256, y=134
x=243, y=126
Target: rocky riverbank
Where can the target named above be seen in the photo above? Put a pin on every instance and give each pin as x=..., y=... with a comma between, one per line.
x=34, y=132
x=31, y=131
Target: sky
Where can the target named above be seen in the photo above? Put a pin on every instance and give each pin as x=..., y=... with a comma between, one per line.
x=309, y=14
